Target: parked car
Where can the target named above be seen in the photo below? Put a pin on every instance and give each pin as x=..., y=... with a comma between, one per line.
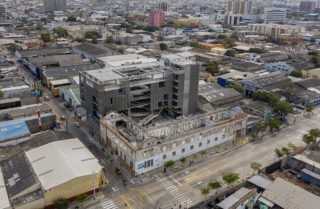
x=46, y=98
x=62, y=117
x=77, y=124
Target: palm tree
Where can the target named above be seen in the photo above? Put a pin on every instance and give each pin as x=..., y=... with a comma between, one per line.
x=205, y=190
x=278, y=153
x=255, y=166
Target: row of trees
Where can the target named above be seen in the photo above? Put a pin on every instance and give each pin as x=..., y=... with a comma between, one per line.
x=62, y=203
x=228, y=178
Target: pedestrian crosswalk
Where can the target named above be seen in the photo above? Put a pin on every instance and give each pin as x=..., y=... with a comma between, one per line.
x=108, y=204
x=175, y=191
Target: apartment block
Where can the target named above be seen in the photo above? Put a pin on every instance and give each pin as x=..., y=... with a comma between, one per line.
x=275, y=15
x=141, y=148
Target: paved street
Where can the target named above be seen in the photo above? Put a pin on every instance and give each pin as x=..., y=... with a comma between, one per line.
x=181, y=188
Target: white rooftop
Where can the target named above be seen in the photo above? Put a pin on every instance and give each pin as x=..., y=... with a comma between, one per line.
x=125, y=60
x=58, y=162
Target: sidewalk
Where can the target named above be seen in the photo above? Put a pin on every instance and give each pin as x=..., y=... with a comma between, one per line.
x=190, y=161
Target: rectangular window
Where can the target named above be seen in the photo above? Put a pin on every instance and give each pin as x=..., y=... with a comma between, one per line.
x=208, y=141
x=200, y=144
x=223, y=136
x=121, y=91
x=183, y=150
x=165, y=96
x=151, y=162
x=191, y=147
x=161, y=84
x=164, y=157
x=216, y=139
x=110, y=100
x=174, y=153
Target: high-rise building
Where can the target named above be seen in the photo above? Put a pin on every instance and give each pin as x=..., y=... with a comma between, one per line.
x=239, y=6
x=54, y=5
x=156, y=18
x=3, y=14
x=307, y=6
x=163, y=6
x=275, y=15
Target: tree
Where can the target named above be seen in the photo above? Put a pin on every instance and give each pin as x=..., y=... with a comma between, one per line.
x=46, y=37
x=297, y=74
x=230, y=177
x=229, y=43
x=109, y=40
x=309, y=108
x=214, y=184
x=71, y=19
x=92, y=35
x=212, y=67
x=292, y=147
x=82, y=197
x=285, y=150
x=262, y=126
x=234, y=36
x=278, y=153
x=94, y=40
x=230, y=53
x=183, y=160
x=61, y=32
x=308, y=139
x=255, y=166
x=256, y=50
x=79, y=39
x=273, y=123
x=163, y=46
x=61, y=203
x=282, y=108
x=315, y=132
x=205, y=190
x=203, y=152
x=169, y=164
x=237, y=87
x=13, y=47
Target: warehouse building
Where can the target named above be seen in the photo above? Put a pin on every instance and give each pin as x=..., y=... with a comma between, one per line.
x=36, y=178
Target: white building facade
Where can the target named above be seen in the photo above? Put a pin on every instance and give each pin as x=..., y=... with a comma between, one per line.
x=275, y=15
x=141, y=149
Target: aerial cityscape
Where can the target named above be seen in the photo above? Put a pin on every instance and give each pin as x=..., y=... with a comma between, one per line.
x=159, y=104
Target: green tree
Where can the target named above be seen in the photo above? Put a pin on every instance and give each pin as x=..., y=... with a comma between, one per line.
x=265, y=97
x=82, y=197
x=282, y=108
x=315, y=132
x=297, y=74
x=234, y=36
x=229, y=43
x=163, y=46
x=308, y=139
x=92, y=35
x=262, y=126
x=183, y=160
x=230, y=53
x=205, y=190
x=79, y=39
x=237, y=87
x=285, y=150
x=71, y=19
x=278, y=153
x=230, y=177
x=61, y=32
x=212, y=67
x=309, y=108
x=169, y=164
x=274, y=124
x=13, y=47
x=109, y=40
x=255, y=166
x=214, y=184
x=94, y=40
x=61, y=203
x=256, y=50
x=292, y=147
x=46, y=37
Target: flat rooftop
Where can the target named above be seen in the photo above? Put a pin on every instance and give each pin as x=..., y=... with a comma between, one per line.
x=126, y=60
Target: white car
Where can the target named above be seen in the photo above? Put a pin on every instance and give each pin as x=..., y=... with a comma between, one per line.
x=77, y=124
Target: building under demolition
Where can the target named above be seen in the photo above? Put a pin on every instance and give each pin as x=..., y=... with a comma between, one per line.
x=148, y=144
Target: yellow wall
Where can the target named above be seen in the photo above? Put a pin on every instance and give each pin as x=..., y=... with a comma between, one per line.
x=73, y=188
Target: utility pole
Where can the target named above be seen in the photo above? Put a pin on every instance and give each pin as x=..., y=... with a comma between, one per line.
x=37, y=94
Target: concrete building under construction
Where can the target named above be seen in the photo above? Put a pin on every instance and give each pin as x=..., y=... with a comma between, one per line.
x=146, y=145
x=141, y=89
